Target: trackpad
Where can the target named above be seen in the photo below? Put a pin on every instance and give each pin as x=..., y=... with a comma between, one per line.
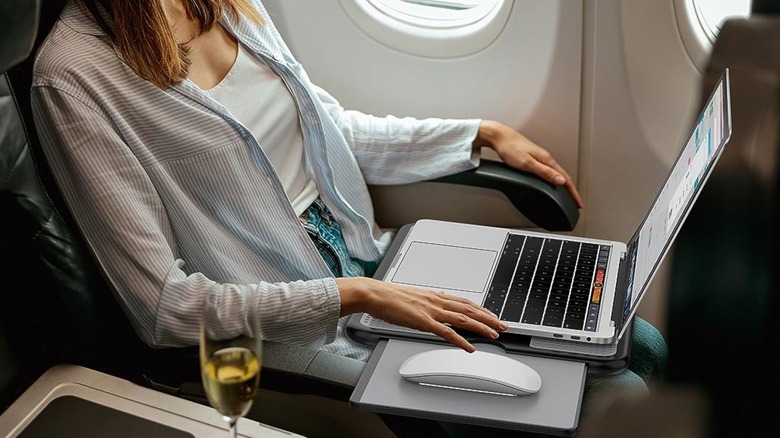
x=446, y=267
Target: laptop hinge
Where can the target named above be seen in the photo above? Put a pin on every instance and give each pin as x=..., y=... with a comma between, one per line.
x=620, y=292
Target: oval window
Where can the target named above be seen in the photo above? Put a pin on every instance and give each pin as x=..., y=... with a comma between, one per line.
x=699, y=22
x=436, y=13
x=431, y=28
x=712, y=14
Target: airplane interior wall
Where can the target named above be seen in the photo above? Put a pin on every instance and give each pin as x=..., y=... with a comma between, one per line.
x=640, y=98
x=607, y=86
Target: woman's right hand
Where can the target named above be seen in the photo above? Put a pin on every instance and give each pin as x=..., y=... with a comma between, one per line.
x=417, y=308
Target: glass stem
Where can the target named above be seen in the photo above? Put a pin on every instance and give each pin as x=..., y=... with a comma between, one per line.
x=233, y=430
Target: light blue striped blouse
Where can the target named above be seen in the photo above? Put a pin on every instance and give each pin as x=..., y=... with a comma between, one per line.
x=176, y=198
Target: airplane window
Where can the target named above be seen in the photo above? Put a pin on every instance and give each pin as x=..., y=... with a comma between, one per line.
x=712, y=13
x=699, y=22
x=431, y=28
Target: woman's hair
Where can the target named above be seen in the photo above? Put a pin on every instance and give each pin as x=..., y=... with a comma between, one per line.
x=144, y=39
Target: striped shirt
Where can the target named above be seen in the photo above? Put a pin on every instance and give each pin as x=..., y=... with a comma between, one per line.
x=176, y=198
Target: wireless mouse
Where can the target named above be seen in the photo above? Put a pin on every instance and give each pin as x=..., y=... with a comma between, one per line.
x=478, y=371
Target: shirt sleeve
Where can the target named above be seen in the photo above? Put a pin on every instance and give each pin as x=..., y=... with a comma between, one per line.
x=392, y=150
x=125, y=224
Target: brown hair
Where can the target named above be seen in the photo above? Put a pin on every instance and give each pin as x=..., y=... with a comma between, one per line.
x=143, y=37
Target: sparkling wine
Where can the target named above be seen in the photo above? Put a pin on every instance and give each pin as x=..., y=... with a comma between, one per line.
x=231, y=376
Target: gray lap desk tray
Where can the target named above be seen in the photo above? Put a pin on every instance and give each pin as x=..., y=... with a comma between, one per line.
x=553, y=410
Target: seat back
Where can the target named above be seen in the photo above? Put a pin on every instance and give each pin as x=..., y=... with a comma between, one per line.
x=56, y=306
x=724, y=281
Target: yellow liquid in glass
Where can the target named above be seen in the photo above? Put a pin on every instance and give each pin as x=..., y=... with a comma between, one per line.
x=231, y=376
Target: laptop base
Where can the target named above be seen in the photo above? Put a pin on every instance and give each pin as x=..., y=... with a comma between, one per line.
x=602, y=362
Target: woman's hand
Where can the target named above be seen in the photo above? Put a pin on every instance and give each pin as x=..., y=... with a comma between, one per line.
x=521, y=153
x=418, y=309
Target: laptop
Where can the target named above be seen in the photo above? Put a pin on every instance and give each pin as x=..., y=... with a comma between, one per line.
x=550, y=286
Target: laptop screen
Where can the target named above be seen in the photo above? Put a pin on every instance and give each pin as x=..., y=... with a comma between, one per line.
x=683, y=184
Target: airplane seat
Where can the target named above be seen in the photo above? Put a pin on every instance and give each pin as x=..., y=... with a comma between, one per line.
x=56, y=305
x=724, y=285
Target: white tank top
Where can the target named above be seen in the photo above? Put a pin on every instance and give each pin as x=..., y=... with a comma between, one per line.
x=260, y=100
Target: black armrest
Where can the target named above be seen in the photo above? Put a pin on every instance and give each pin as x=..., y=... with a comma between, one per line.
x=548, y=206
x=288, y=368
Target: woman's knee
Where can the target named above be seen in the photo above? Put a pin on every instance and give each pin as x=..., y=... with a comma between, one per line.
x=649, y=352
x=600, y=391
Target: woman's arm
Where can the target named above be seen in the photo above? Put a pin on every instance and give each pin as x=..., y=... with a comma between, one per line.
x=518, y=151
x=417, y=150
x=419, y=309
x=392, y=150
x=127, y=227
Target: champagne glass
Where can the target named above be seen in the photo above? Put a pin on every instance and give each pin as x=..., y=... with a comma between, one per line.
x=230, y=366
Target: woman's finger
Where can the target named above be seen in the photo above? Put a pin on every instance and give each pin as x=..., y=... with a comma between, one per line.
x=463, y=321
x=550, y=170
x=450, y=335
x=476, y=313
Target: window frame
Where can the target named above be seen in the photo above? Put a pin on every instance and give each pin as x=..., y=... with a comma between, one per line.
x=697, y=34
x=408, y=28
x=422, y=15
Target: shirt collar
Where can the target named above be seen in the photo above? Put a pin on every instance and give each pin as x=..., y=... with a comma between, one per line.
x=74, y=18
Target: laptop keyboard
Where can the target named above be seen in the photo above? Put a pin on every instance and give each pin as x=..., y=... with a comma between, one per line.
x=549, y=282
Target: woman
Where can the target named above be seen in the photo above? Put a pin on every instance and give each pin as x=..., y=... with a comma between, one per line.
x=197, y=157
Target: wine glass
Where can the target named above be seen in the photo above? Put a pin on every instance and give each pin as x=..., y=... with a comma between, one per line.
x=230, y=368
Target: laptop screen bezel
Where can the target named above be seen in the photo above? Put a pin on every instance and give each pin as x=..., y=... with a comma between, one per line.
x=633, y=243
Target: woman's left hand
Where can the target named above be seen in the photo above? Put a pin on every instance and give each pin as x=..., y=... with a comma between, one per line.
x=518, y=151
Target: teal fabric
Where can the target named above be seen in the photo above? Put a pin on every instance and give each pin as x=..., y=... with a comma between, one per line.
x=648, y=358
x=325, y=232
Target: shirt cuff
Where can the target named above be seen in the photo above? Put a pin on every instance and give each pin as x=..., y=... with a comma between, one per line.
x=474, y=158
x=333, y=310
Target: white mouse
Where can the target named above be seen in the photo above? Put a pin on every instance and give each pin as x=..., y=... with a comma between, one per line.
x=477, y=371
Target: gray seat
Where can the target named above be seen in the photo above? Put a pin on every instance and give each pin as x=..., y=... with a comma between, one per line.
x=57, y=307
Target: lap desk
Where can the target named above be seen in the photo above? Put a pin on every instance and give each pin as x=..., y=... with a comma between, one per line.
x=554, y=409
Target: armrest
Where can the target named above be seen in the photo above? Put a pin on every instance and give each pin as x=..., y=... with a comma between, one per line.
x=308, y=370
x=548, y=206
x=287, y=368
